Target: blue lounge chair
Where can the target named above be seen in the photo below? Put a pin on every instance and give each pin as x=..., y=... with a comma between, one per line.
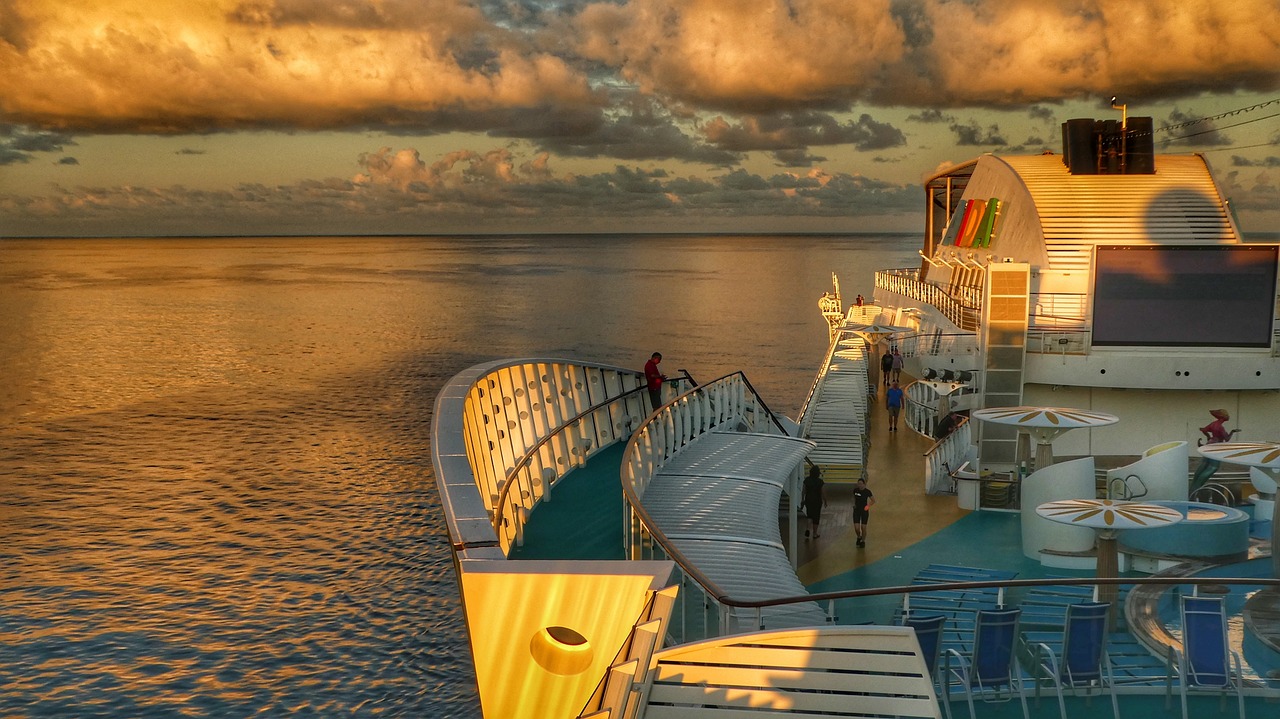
x=1206, y=662
x=992, y=667
x=1081, y=662
x=929, y=634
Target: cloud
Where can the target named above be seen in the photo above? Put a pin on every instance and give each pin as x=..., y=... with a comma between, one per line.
x=639, y=128
x=126, y=65
x=753, y=56
x=123, y=66
x=1255, y=192
x=631, y=80
x=1268, y=161
x=798, y=130
x=1188, y=130
x=931, y=53
x=462, y=191
x=975, y=134
x=932, y=116
x=18, y=144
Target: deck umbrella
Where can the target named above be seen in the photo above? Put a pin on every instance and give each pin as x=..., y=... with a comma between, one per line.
x=874, y=334
x=1265, y=456
x=1107, y=517
x=1044, y=424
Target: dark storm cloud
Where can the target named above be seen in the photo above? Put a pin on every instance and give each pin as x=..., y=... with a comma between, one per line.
x=1040, y=112
x=799, y=130
x=18, y=144
x=797, y=158
x=1184, y=129
x=931, y=116
x=1268, y=161
x=974, y=134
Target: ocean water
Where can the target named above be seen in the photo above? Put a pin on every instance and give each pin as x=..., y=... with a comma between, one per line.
x=216, y=494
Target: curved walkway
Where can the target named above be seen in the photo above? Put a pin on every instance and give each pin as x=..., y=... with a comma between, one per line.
x=716, y=501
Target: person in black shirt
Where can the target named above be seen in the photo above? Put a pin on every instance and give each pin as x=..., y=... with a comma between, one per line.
x=862, y=501
x=813, y=500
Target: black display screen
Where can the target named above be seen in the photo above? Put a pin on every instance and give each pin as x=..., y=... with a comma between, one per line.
x=1165, y=295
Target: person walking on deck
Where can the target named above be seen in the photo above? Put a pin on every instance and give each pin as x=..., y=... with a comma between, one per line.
x=813, y=499
x=893, y=402
x=897, y=365
x=654, y=378
x=886, y=366
x=862, y=501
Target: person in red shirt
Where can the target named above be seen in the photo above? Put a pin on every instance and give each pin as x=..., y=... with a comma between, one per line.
x=654, y=378
x=1214, y=432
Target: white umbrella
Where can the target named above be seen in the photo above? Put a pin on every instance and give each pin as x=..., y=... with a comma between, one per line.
x=873, y=333
x=1107, y=517
x=1045, y=424
x=1265, y=456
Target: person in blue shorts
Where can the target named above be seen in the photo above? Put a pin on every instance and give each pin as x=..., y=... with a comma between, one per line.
x=862, y=501
x=893, y=402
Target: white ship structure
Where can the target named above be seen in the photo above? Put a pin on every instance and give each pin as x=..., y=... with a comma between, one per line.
x=1073, y=320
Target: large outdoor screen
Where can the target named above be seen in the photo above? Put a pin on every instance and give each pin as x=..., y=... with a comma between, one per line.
x=1218, y=295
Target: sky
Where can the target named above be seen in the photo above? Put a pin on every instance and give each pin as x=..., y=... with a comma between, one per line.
x=304, y=117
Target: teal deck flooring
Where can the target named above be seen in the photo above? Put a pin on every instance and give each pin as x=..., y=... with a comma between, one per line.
x=584, y=517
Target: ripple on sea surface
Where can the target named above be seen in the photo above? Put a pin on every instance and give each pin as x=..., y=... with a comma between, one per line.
x=236, y=561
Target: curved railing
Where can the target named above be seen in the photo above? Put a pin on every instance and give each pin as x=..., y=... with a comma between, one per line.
x=505, y=432
x=906, y=281
x=945, y=456
x=730, y=401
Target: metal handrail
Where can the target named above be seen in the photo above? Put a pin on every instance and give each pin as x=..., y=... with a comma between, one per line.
x=906, y=281
x=634, y=503
x=499, y=508
x=498, y=513
x=995, y=584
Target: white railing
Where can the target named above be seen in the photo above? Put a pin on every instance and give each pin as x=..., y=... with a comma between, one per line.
x=945, y=457
x=520, y=426
x=963, y=310
x=728, y=402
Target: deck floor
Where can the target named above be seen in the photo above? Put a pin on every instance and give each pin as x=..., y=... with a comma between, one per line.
x=908, y=531
x=902, y=516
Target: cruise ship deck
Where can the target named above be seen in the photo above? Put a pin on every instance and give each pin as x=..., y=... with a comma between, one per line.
x=908, y=532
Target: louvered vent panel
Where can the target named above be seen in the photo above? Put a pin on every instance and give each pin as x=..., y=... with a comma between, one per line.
x=1179, y=204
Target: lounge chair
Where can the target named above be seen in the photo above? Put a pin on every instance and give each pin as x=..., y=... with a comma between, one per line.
x=929, y=634
x=1081, y=661
x=1206, y=662
x=992, y=667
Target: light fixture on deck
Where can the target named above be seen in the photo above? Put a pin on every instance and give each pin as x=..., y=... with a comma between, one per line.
x=930, y=260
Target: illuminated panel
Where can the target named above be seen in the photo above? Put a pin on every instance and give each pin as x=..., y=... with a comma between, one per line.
x=543, y=633
x=1185, y=296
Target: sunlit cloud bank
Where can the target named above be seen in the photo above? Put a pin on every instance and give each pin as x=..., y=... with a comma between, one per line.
x=210, y=65
x=398, y=191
